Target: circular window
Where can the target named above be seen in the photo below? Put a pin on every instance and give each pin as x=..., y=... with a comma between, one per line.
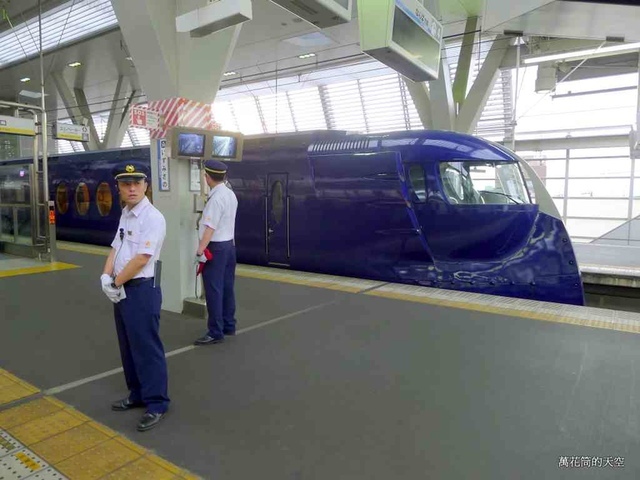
x=277, y=205
x=104, y=199
x=62, y=198
x=82, y=199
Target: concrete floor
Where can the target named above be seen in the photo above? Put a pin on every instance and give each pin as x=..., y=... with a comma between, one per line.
x=344, y=386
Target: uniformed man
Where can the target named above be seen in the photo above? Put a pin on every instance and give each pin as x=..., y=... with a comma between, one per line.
x=216, y=232
x=131, y=280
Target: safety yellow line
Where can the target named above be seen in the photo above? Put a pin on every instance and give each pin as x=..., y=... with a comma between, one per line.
x=51, y=267
x=73, y=444
x=527, y=314
x=82, y=248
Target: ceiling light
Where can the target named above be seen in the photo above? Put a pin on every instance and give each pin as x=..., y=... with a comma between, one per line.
x=75, y=64
x=227, y=74
x=582, y=53
x=307, y=55
x=25, y=79
x=30, y=94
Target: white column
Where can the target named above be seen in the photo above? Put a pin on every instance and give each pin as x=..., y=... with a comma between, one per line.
x=172, y=64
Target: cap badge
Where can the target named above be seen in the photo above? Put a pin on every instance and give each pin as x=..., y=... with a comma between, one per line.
x=130, y=168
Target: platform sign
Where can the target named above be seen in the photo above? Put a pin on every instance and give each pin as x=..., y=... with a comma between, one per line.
x=403, y=35
x=17, y=126
x=144, y=118
x=66, y=131
x=163, y=166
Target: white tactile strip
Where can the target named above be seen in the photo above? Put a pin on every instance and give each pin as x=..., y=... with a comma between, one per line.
x=535, y=310
x=8, y=444
x=18, y=462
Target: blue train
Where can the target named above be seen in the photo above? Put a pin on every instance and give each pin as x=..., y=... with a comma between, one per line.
x=431, y=208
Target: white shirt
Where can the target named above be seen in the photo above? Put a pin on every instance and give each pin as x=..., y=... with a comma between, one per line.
x=220, y=214
x=144, y=230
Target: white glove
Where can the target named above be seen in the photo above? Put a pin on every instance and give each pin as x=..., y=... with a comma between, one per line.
x=105, y=280
x=201, y=258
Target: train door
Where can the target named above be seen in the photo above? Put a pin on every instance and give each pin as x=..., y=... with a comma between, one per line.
x=277, y=218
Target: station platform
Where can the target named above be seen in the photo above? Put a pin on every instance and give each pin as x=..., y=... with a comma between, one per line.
x=610, y=275
x=327, y=378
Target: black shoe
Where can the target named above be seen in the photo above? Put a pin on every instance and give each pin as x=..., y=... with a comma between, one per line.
x=148, y=421
x=208, y=340
x=125, y=404
x=229, y=333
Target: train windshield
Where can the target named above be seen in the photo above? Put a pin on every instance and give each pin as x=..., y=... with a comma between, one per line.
x=483, y=182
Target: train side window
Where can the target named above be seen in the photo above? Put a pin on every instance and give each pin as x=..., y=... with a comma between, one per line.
x=62, y=198
x=82, y=199
x=417, y=182
x=104, y=199
x=277, y=203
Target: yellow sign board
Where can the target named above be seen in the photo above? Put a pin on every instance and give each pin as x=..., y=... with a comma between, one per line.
x=17, y=126
x=78, y=133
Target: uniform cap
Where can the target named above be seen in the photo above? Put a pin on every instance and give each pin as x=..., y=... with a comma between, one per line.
x=215, y=166
x=130, y=171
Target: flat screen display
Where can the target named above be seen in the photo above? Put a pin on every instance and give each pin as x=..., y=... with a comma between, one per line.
x=191, y=145
x=224, y=146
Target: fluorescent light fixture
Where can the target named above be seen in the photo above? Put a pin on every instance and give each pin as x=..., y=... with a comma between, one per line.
x=75, y=64
x=583, y=53
x=307, y=55
x=228, y=74
x=30, y=94
x=25, y=79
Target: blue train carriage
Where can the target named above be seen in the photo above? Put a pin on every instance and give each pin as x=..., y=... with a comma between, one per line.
x=431, y=208
x=87, y=203
x=438, y=209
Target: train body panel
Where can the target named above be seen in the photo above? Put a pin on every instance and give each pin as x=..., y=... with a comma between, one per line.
x=398, y=207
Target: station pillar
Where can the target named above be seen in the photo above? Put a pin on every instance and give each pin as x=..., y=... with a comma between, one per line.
x=180, y=75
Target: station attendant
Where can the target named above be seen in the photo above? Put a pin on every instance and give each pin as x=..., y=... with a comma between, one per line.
x=131, y=280
x=216, y=232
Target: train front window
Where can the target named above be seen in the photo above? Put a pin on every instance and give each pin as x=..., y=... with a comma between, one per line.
x=483, y=182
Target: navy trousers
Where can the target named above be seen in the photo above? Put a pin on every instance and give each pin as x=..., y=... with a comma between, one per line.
x=219, y=277
x=138, y=325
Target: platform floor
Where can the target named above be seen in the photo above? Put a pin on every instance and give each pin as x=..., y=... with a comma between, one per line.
x=389, y=383
x=616, y=259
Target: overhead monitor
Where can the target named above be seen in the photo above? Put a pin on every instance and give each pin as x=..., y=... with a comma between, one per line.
x=224, y=146
x=403, y=35
x=191, y=144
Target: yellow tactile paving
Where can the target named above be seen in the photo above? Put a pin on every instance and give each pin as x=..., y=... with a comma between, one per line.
x=77, y=447
x=15, y=392
x=98, y=461
x=330, y=282
x=28, y=412
x=45, y=427
x=50, y=267
x=12, y=388
x=143, y=469
x=67, y=444
x=513, y=307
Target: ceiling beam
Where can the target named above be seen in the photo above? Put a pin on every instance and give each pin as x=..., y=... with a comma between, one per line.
x=75, y=113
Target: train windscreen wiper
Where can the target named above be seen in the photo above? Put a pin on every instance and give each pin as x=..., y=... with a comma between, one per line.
x=513, y=199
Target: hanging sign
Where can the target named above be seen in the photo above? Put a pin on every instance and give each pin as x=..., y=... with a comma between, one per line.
x=17, y=126
x=66, y=131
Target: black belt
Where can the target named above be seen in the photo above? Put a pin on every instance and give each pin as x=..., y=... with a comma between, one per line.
x=137, y=281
